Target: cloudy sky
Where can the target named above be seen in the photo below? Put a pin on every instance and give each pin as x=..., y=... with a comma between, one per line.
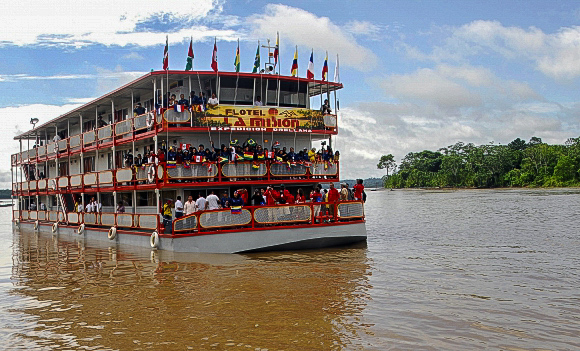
x=417, y=74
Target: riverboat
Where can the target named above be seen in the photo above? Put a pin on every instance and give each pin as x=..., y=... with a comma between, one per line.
x=82, y=155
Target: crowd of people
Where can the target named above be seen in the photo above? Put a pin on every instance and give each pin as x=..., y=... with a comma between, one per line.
x=269, y=196
x=234, y=152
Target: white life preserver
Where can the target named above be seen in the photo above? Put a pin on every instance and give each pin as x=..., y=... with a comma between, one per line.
x=149, y=120
x=36, y=225
x=81, y=229
x=54, y=227
x=154, y=240
x=151, y=173
x=112, y=233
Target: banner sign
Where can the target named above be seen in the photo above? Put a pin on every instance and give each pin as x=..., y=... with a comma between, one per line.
x=263, y=117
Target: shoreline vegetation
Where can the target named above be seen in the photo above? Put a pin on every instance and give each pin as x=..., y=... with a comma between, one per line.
x=519, y=164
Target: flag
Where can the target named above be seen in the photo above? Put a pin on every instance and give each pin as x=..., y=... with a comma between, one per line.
x=257, y=60
x=171, y=164
x=336, y=74
x=237, y=59
x=248, y=155
x=276, y=49
x=236, y=209
x=189, y=64
x=214, y=65
x=184, y=146
x=325, y=68
x=310, y=71
x=294, y=70
x=166, y=54
x=178, y=108
x=223, y=159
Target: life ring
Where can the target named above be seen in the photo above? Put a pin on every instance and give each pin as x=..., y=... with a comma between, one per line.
x=54, y=227
x=154, y=240
x=81, y=229
x=112, y=233
x=36, y=225
x=149, y=120
x=151, y=173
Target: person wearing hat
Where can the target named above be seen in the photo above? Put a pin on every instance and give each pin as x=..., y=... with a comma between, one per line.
x=325, y=109
x=312, y=154
x=171, y=154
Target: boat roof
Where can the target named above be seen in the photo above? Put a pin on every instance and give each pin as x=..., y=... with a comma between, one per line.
x=315, y=87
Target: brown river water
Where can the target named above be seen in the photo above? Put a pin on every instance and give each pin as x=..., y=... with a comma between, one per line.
x=442, y=270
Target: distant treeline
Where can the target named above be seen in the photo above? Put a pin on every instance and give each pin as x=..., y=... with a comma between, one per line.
x=517, y=164
x=5, y=193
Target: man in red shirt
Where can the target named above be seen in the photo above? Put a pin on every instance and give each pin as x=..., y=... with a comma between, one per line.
x=333, y=197
x=358, y=190
x=286, y=195
x=271, y=196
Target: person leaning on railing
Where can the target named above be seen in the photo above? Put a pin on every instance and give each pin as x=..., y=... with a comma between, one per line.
x=333, y=197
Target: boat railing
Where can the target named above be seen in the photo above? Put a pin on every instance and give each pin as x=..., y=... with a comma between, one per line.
x=41, y=151
x=253, y=217
x=62, y=145
x=247, y=217
x=105, y=134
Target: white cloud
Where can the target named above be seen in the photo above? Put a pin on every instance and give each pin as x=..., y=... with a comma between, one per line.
x=133, y=56
x=33, y=22
x=302, y=28
x=556, y=55
x=362, y=28
x=102, y=74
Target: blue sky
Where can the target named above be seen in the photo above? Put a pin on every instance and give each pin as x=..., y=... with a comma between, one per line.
x=417, y=74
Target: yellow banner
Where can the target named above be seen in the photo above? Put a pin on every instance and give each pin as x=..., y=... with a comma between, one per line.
x=264, y=117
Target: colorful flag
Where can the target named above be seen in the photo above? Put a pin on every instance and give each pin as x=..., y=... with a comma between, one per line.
x=184, y=146
x=310, y=71
x=214, y=64
x=236, y=209
x=166, y=54
x=171, y=164
x=325, y=68
x=189, y=64
x=294, y=70
x=248, y=155
x=276, y=49
x=257, y=60
x=223, y=159
x=178, y=108
x=237, y=59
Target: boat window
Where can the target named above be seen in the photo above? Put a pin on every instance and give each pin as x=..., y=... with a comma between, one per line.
x=236, y=91
x=292, y=94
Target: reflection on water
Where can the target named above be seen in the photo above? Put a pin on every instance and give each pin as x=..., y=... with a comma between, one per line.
x=110, y=298
x=443, y=270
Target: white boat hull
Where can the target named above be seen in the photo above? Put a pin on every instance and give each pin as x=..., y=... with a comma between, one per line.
x=231, y=242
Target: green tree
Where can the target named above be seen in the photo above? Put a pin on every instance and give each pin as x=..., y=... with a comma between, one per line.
x=387, y=162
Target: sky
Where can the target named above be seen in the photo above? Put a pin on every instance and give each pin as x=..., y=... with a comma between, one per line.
x=417, y=74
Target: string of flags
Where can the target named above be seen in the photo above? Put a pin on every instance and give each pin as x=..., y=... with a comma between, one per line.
x=257, y=60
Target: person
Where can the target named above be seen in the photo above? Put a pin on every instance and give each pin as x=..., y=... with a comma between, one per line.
x=257, y=199
x=167, y=210
x=183, y=101
x=312, y=155
x=325, y=107
x=200, y=203
x=139, y=160
x=237, y=200
x=333, y=197
x=350, y=193
x=359, y=188
x=100, y=122
x=213, y=201
x=285, y=196
x=316, y=197
x=56, y=138
x=271, y=196
x=202, y=100
x=98, y=207
x=225, y=200
x=178, y=208
x=41, y=175
x=77, y=205
x=300, y=199
x=343, y=192
x=139, y=110
x=32, y=206
x=189, y=206
x=120, y=207
x=258, y=101
x=213, y=101
x=171, y=154
x=172, y=100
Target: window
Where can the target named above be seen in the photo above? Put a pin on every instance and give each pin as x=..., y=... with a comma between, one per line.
x=236, y=91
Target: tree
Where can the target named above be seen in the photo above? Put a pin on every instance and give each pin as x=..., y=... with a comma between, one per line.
x=387, y=162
